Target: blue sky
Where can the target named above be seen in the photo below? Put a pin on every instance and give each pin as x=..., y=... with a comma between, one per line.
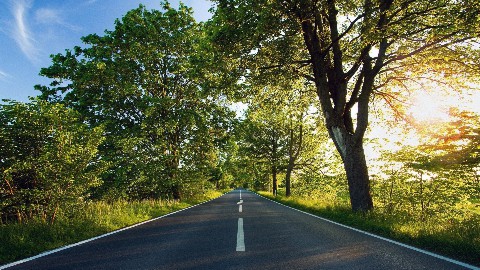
x=32, y=30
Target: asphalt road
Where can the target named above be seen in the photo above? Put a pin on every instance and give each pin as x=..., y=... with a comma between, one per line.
x=229, y=233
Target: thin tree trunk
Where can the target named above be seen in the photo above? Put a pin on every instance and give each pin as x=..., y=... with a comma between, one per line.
x=175, y=187
x=293, y=153
x=174, y=138
x=274, y=180
x=288, y=177
x=176, y=192
x=291, y=160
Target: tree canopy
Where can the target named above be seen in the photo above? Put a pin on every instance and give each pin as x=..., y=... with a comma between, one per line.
x=146, y=82
x=145, y=110
x=350, y=51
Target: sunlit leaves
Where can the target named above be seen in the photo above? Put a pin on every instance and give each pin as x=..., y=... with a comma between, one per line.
x=458, y=141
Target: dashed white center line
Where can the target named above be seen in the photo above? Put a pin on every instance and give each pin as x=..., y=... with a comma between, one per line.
x=240, y=236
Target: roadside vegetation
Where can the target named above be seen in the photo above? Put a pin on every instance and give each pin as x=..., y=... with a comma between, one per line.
x=21, y=240
x=457, y=238
x=363, y=111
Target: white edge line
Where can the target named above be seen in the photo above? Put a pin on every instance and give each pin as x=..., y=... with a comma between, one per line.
x=469, y=266
x=46, y=253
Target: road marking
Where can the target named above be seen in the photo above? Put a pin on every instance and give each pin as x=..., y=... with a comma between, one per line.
x=240, y=202
x=99, y=237
x=240, y=236
x=240, y=208
x=469, y=266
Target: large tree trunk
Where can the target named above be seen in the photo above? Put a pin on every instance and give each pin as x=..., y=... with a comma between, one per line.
x=331, y=83
x=357, y=177
x=353, y=156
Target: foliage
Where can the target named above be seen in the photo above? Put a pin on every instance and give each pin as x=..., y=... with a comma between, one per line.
x=331, y=189
x=147, y=82
x=279, y=131
x=142, y=113
x=453, y=237
x=435, y=177
x=48, y=160
x=95, y=218
x=456, y=143
x=264, y=141
x=350, y=50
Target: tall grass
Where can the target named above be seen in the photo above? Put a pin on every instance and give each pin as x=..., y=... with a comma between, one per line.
x=19, y=241
x=456, y=237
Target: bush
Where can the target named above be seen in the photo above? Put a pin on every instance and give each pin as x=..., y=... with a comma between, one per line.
x=48, y=160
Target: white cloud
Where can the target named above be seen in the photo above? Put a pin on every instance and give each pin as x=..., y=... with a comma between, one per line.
x=50, y=16
x=21, y=32
x=47, y=16
x=3, y=75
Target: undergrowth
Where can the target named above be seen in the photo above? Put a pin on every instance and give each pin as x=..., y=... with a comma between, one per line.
x=454, y=237
x=19, y=241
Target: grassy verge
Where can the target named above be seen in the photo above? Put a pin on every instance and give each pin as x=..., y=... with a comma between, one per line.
x=19, y=241
x=454, y=238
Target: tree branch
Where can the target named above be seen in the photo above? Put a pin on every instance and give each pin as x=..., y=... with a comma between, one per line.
x=425, y=47
x=355, y=92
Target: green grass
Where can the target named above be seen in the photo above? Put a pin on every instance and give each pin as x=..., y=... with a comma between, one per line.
x=456, y=237
x=18, y=241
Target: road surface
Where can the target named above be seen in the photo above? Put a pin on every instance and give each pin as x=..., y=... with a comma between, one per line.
x=239, y=230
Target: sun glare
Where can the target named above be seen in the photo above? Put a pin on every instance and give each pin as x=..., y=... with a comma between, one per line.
x=428, y=107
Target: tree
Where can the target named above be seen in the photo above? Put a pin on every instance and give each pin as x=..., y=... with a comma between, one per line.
x=264, y=138
x=147, y=82
x=48, y=159
x=280, y=129
x=304, y=137
x=457, y=142
x=454, y=148
x=350, y=50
